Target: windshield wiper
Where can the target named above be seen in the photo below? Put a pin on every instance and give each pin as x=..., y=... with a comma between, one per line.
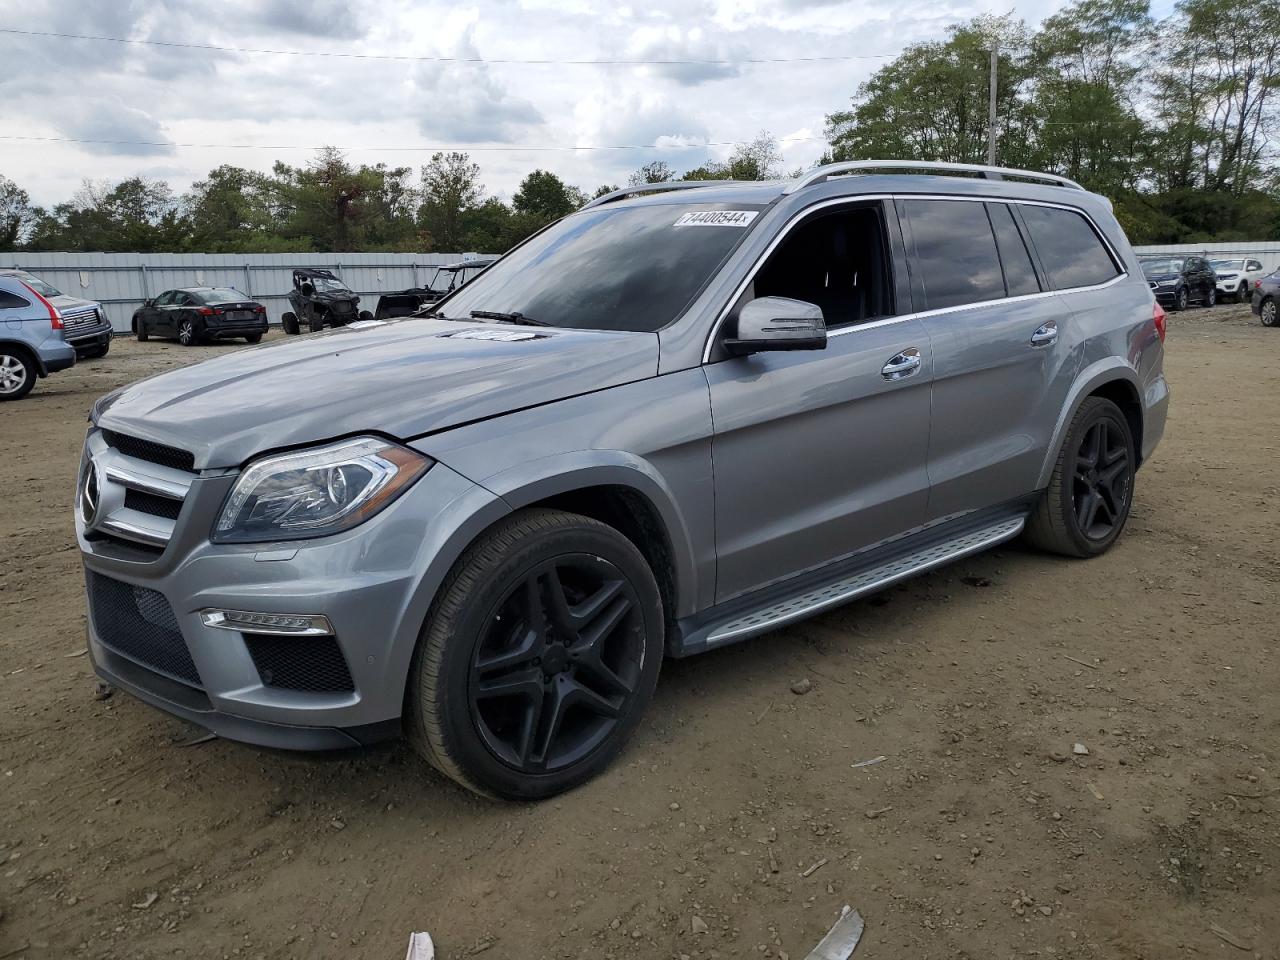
x=514, y=316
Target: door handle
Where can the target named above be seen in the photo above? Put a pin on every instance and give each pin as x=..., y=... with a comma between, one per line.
x=901, y=365
x=1045, y=334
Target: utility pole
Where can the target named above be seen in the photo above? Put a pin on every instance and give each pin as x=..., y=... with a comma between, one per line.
x=991, y=110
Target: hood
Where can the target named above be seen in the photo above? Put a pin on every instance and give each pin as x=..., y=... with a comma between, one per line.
x=404, y=378
x=1162, y=277
x=65, y=303
x=334, y=296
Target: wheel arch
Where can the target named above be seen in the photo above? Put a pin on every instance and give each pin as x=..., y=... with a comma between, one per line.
x=1112, y=379
x=19, y=347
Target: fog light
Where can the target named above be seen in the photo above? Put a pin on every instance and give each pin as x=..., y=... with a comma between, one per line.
x=289, y=624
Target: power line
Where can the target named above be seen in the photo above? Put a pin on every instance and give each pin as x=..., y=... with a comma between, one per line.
x=406, y=58
x=542, y=148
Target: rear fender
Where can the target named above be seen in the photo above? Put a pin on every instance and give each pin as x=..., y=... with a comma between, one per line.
x=1091, y=378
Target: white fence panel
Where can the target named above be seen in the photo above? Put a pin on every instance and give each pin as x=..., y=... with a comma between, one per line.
x=121, y=281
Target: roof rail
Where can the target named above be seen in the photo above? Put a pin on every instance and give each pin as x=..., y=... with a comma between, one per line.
x=655, y=188
x=988, y=173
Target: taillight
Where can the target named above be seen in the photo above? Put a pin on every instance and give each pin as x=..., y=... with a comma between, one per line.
x=207, y=311
x=1158, y=318
x=259, y=309
x=55, y=318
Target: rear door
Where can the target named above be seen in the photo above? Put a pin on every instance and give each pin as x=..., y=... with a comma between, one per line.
x=998, y=353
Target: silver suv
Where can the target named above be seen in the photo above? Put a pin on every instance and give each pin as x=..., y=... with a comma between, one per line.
x=683, y=416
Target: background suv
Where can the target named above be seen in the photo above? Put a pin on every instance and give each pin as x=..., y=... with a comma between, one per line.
x=1237, y=277
x=32, y=342
x=680, y=417
x=84, y=323
x=1176, y=281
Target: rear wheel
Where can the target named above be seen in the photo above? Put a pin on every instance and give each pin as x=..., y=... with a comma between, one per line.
x=253, y=338
x=1087, y=503
x=290, y=322
x=17, y=374
x=537, y=658
x=1267, y=311
x=188, y=332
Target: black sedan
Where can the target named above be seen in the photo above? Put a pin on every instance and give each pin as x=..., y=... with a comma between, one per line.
x=199, y=314
x=1266, y=300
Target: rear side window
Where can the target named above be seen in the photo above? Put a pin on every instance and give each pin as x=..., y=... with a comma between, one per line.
x=1072, y=253
x=11, y=301
x=955, y=252
x=1255, y=265
x=1019, y=274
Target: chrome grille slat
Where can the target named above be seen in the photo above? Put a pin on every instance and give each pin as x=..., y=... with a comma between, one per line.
x=140, y=499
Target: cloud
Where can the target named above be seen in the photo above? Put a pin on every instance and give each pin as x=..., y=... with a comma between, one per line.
x=672, y=42
x=109, y=119
x=326, y=18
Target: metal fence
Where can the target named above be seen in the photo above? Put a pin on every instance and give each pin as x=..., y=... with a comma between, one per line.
x=121, y=281
x=1267, y=251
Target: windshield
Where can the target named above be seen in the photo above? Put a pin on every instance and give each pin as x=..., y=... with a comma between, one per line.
x=1227, y=264
x=38, y=285
x=1159, y=268
x=609, y=268
x=222, y=295
x=325, y=285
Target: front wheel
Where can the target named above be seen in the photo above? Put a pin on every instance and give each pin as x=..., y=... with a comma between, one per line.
x=1181, y=299
x=1212, y=298
x=317, y=323
x=1089, y=495
x=537, y=658
x=365, y=316
x=97, y=353
x=1242, y=295
x=1267, y=311
x=141, y=329
x=290, y=323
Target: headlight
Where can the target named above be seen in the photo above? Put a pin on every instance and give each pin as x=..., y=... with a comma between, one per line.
x=316, y=492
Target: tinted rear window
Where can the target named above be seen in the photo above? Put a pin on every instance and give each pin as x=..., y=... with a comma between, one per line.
x=955, y=252
x=10, y=301
x=611, y=267
x=1072, y=254
x=1019, y=274
x=221, y=295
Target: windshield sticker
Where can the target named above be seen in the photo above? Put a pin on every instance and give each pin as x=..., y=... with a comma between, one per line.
x=717, y=218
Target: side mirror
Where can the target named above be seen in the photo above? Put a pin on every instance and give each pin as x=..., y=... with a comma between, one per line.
x=778, y=323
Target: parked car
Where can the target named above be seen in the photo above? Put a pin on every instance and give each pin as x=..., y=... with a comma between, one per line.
x=1176, y=281
x=320, y=299
x=1266, y=295
x=404, y=303
x=84, y=323
x=32, y=337
x=684, y=415
x=1237, y=277
x=194, y=315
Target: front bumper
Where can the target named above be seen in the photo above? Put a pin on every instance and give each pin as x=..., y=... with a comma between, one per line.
x=374, y=584
x=89, y=340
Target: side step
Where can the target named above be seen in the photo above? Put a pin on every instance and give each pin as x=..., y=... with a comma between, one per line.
x=856, y=584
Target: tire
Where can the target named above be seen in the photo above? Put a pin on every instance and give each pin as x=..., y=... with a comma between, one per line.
x=290, y=322
x=317, y=323
x=17, y=374
x=366, y=316
x=1181, y=299
x=97, y=353
x=1242, y=295
x=1267, y=313
x=1211, y=298
x=1065, y=521
x=143, y=335
x=188, y=333
x=504, y=746
x=253, y=338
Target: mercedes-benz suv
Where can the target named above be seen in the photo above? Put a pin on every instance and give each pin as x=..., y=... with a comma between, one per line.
x=685, y=415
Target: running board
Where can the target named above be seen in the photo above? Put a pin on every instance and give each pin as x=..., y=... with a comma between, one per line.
x=857, y=584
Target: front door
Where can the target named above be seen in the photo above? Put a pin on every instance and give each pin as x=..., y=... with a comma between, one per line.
x=819, y=454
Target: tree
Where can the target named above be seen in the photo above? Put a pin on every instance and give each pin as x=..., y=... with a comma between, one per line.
x=451, y=189
x=760, y=159
x=603, y=189
x=655, y=171
x=16, y=213
x=234, y=210
x=543, y=195
x=134, y=215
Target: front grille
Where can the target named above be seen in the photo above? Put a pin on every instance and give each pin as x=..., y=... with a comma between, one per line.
x=151, y=451
x=152, y=504
x=312, y=664
x=76, y=319
x=139, y=623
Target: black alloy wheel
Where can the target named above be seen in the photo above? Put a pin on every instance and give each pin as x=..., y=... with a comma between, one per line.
x=1101, y=486
x=552, y=675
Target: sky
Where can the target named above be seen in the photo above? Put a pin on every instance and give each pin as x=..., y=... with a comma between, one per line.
x=202, y=108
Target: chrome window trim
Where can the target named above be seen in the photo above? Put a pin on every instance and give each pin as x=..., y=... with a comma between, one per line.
x=1117, y=262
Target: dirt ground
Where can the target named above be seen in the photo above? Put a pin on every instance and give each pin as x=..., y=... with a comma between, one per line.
x=737, y=823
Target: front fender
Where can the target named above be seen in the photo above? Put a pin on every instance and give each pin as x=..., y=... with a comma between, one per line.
x=552, y=476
